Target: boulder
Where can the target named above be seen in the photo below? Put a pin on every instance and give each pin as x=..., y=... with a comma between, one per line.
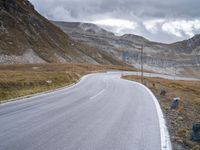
x=196, y=132
x=162, y=92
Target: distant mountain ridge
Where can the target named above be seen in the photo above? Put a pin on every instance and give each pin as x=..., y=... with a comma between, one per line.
x=78, y=27
x=28, y=37
x=157, y=56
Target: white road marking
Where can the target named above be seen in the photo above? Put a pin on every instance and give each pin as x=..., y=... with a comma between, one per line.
x=93, y=97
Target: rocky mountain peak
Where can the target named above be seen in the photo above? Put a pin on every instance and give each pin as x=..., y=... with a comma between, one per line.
x=92, y=28
x=188, y=45
x=194, y=42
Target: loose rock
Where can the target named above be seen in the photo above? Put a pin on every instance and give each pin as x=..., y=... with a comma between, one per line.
x=175, y=103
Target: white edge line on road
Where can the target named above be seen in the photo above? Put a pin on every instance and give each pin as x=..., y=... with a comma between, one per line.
x=165, y=138
x=164, y=134
x=103, y=90
x=93, y=97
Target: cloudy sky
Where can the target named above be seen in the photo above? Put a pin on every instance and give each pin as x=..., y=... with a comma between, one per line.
x=159, y=20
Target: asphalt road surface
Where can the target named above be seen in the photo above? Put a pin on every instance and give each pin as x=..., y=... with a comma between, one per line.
x=101, y=112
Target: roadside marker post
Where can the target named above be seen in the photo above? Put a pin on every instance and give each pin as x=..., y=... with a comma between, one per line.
x=142, y=66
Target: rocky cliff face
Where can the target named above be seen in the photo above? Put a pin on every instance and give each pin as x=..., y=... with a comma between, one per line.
x=159, y=57
x=28, y=37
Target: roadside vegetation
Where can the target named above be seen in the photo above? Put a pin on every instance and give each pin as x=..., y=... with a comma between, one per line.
x=22, y=80
x=180, y=120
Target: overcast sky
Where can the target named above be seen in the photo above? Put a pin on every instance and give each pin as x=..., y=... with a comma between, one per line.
x=158, y=20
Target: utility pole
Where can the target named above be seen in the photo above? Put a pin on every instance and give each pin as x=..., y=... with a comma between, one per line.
x=142, y=67
x=175, y=72
x=73, y=69
x=123, y=58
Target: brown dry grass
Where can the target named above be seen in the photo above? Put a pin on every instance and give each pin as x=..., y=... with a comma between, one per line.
x=180, y=121
x=54, y=67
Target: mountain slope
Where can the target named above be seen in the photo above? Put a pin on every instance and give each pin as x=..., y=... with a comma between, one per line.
x=28, y=37
x=86, y=28
x=159, y=57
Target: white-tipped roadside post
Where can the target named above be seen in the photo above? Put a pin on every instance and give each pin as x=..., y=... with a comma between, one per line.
x=142, y=66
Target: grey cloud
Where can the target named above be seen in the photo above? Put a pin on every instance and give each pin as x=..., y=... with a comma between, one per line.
x=133, y=10
x=125, y=8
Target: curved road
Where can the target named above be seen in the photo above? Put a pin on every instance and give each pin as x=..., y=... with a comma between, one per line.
x=101, y=112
